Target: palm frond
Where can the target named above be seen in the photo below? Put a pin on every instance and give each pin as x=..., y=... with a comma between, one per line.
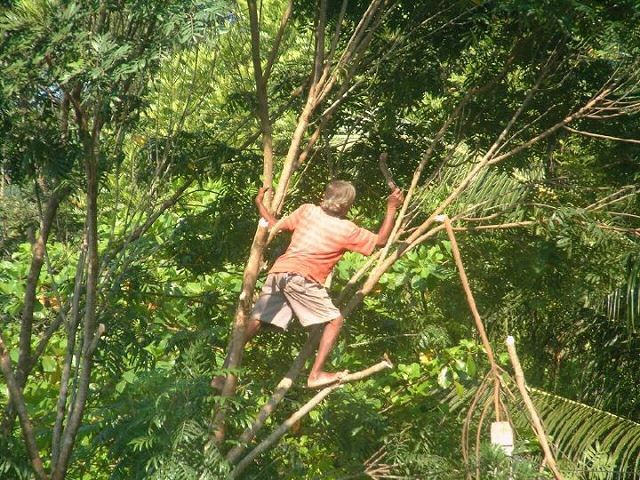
x=492, y=192
x=576, y=427
x=623, y=303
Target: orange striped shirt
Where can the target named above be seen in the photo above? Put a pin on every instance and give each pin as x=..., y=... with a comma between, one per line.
x=318, y=242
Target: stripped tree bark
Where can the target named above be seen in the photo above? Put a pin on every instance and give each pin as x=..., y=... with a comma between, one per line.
x=531, y=409
x=476, y=317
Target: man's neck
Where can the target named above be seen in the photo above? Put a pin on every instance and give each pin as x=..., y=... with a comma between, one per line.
x=331, y=214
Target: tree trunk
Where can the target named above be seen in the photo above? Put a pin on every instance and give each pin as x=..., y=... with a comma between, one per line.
x=90, y=333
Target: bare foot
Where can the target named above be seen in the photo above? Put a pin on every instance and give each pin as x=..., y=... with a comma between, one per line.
x=324, y=379
x=217, y=383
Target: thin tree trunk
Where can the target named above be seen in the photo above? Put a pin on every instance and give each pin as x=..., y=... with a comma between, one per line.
x=72, y=326
x=91, y=334
x=26, y=322
x=236, y=345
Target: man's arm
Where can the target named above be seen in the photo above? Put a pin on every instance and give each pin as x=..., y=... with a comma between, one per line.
x=393, y=202
x=264, y=213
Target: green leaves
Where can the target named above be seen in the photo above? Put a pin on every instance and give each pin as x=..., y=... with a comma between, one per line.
x=49, y=364
x=450, y=367
x=419, y=268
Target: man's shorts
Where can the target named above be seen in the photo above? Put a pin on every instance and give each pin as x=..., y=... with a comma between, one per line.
x=286, y=294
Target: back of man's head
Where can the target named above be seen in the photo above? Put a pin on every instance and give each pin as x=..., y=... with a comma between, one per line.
x=339, y=195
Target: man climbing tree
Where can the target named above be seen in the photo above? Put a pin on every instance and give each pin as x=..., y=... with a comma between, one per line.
x=295, y=283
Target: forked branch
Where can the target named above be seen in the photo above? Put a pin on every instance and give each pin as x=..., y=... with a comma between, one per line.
x=302, y=412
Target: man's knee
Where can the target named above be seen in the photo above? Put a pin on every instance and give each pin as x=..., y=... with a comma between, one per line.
x=337, y=322
x=253, y=326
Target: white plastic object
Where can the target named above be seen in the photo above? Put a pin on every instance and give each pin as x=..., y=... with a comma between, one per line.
x=263, y=222
x=502, y=436
x=440, y=218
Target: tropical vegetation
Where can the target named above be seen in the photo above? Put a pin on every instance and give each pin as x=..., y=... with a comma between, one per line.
x=134, y=137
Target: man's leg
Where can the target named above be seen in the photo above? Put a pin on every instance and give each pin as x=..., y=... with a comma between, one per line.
x=318, y=377
x=253, y=326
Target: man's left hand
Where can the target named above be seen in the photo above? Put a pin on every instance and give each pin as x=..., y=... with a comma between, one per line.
x=261, y=193
x=395, y=199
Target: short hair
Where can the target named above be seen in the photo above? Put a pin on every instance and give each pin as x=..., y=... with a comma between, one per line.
x=338, y=197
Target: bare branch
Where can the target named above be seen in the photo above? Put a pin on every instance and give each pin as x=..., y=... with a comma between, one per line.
x=615, y=197
x=582, y=112
x=319, y=58
x=262, y=96
x=476, y=315
x=65, y=376
x=531, y=410
x=144, y=227
x=281, y=389
x=498, y=226
x=273, y=54
x=25, y=360
x=634, y=231
x=469, y=95
x=336, y=33
x=603, y=137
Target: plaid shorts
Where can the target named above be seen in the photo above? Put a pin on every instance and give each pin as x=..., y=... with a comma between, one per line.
x=286, y=294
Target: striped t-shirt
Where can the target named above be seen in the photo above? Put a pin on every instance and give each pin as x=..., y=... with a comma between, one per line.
x=318, y=242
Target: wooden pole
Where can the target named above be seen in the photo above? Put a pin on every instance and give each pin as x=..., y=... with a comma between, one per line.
x=474, y=312
x=535, y=418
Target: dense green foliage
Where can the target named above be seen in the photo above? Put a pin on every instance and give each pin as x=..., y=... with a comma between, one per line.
x=160, y=96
